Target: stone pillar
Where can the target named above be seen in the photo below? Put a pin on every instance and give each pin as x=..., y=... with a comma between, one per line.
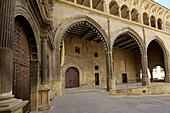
x=130, y=15
x=34, y=84
x=167, y=70
x=91, y=4
x=44, y=90
x=164, y=25
x=57, y=87
x=145, y=77
x=141, y=18
x=8, y=104
x=156, y=23
x=110, y=79
x=106, y=7
x=149, y=21
x=120, y=13
x=44, y=61
x=151, y=75
x=75, y=1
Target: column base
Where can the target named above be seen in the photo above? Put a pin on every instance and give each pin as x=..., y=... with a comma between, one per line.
x=167, y=79
x=146, y=81
x=44, y=107
x=9, y=104
x=57, y=87
x=44, y=98
x=111, y=85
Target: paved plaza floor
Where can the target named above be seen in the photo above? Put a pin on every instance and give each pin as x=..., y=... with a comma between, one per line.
x=96, y=103
x=88, y=100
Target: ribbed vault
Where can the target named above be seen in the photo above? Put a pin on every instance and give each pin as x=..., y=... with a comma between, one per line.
x=87, y=31
x=127, y=41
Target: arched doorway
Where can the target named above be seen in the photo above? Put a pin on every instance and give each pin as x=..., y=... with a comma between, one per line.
x=25, y=50
x=71, y=78
x=127, y=51
x=156, y=61
x=83, y=42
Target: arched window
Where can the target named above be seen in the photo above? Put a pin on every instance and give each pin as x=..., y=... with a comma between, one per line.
x=84, y=2
x=153, y=22
x=145, y=19
x=159, y=24
x=97, y=4
x=125, y=12
x=114, y=8
x=134, y=15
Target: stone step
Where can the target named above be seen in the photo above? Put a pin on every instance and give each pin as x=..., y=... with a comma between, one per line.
x=6, y=97
x=79, y=92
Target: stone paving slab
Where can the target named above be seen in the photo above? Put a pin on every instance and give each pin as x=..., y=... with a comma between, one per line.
x=97, y=103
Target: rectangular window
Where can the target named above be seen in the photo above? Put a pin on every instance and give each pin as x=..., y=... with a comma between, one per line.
x=95, y=54
x=77, y=50
x=96, y=67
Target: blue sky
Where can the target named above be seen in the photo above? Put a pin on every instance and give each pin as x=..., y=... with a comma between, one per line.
x=165, y=3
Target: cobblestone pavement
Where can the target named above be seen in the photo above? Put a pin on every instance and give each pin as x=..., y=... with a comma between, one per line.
x=97, y=103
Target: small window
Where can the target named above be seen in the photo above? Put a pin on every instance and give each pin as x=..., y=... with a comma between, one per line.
x=96, y=67
x=77, y=50
x=95, y=54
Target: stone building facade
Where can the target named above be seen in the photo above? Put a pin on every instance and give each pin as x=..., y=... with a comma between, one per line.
x=49, y=45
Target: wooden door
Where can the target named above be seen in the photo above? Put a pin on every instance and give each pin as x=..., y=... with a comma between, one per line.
x=124, y=78
x=71, y=78
x=21, y=66
x=96, y=78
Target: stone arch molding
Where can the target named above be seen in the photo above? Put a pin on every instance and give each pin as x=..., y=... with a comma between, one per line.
x=72, y=64
x=161, y=43
x=21, y=10
x=165, y=53
x=60, y=32
x=136, y=37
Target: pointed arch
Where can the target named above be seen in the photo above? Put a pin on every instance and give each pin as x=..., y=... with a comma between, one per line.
x=136, y=37
x=160, y=42
x=165, y=54
x=31, y=26
x=22, y=12
x=65, y=26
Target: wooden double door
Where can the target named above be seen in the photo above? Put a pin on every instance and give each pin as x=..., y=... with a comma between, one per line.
x=71, y=78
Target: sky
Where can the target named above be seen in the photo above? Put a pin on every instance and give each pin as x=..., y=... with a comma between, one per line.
x=165, y=3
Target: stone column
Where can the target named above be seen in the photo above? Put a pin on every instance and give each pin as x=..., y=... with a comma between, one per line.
x=130, y=15
x=149, y=21
x=106, y=7
x=167, y=70
x=75, y=1
x=156, y=23
x=145, y=77
x=44, y=60
x=110, y=79
x=7, y=102
x=141, y=18
x=57, y=86
x=44, y=90
x=120, y=13
x=164, y=25
x=151, y=75
x=91, y=4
